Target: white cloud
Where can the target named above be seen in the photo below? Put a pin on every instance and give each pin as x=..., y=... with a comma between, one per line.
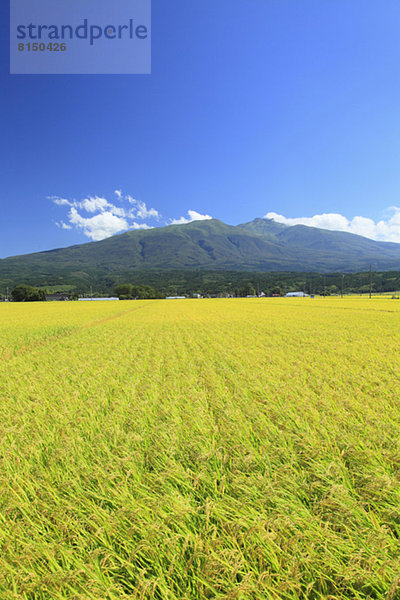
x=385, y=230
x=116, y=210
x=140, y=210
x=99, y=218
x=93, y=204
x=63, y=225
x=192, y=216
x=103, y=218
x=100, y=226
x=59, y=201
x=144, y=213
x=140, y=226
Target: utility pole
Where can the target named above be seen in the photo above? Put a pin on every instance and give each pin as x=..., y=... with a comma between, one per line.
x=7, y=294
x=342, y=284
x=324, y=286
x=370, y=281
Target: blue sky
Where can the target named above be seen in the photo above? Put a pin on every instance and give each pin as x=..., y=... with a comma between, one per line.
x=282, y=107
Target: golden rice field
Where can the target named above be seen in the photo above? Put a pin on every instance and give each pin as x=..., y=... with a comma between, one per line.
x=200, y=449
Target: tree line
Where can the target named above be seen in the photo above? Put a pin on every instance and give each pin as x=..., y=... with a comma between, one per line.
x=127, y=291
x=159, y=284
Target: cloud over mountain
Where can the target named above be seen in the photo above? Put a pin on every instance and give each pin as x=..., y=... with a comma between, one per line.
x=192, y=216
x=98, y=218
x=385, y=230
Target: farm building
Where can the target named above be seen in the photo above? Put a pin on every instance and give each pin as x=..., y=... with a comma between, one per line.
x=57, y=297
x=296, y=295
x=94, y=299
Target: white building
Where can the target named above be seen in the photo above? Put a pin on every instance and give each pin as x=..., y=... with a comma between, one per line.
x=95, y=299
x=296, y=295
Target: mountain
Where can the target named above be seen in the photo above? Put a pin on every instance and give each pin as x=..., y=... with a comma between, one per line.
x=261, y=245
x=329, y=250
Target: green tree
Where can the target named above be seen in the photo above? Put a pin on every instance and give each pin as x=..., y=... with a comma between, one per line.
x=26, y=293
x=143, y=292
x=124, y=291
x=249, y=290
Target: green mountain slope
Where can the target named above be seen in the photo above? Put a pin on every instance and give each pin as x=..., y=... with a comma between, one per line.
x=261, y=245
x=330, y=250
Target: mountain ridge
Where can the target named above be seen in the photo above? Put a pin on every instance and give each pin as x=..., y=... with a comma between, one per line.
x=259, y=245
